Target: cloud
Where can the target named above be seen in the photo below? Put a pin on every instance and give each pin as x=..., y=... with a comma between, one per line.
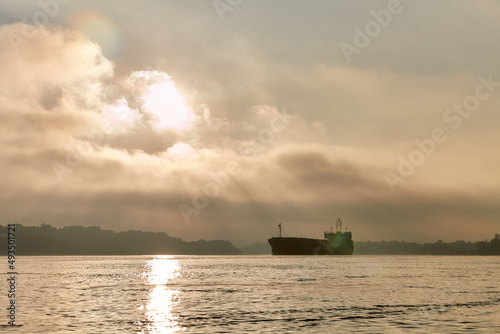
x=121, y=144
x=54, y=66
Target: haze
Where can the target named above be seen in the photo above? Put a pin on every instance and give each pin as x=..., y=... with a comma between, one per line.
x=219, y=119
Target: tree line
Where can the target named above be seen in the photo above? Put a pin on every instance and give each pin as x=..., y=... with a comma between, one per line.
x=80, y=240
x=460, y=247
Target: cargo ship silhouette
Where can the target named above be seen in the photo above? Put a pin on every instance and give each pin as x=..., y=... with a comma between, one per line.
x=334, y=243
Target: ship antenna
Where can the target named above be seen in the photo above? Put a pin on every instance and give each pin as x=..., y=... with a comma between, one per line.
x=279, y=226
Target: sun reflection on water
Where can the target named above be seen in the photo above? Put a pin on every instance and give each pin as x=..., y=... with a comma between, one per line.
x=160, y=318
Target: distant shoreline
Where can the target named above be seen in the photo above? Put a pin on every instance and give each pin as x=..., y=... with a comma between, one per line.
x=46, y=240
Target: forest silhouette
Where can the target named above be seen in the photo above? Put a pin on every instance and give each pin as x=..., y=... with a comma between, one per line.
x=80, y=240
x=439, y=247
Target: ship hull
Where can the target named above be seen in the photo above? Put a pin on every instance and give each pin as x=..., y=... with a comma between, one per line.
x=306, y=246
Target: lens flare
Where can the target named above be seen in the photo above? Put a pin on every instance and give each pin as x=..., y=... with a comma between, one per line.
x=101, y=29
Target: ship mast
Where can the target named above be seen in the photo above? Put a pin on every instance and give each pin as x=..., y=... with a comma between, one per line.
x=279, y=226
x=338, y=226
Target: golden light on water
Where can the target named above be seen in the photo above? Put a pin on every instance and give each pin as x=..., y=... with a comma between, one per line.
x=162, y=299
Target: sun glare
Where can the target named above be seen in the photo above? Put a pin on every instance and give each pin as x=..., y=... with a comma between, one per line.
x=166, y=103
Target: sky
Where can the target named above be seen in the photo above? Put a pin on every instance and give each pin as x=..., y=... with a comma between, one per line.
x=219, y=119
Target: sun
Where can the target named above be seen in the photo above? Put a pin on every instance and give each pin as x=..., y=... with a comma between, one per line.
x=168, y=105
x=163, y=101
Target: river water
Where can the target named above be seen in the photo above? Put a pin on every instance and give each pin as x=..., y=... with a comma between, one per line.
x=263, y=294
